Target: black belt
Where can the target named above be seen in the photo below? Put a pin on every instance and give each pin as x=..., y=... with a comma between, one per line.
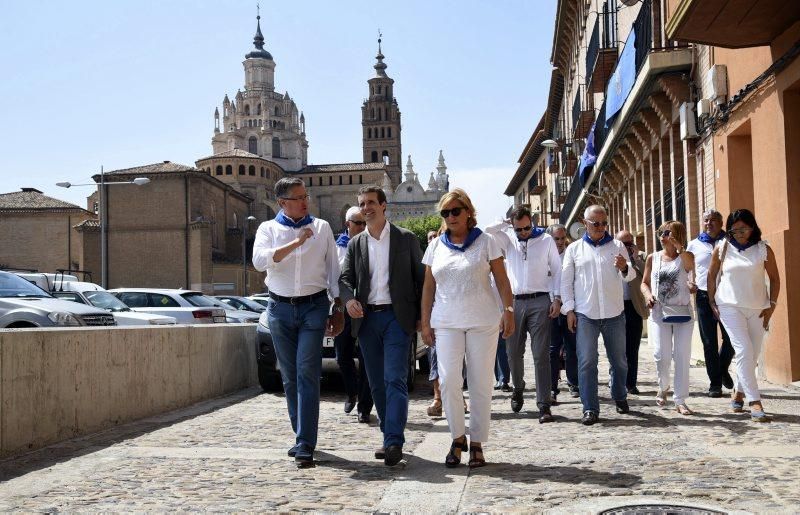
x=298, y=300
x=526, y=296
x=379, y=307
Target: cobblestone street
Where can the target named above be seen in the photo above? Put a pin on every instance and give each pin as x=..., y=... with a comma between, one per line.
x=230, y=454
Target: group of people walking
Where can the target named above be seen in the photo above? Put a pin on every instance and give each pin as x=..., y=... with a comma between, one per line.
x=473, y=294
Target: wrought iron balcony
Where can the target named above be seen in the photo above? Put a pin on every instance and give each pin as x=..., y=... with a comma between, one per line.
x=582, y=113
x=601, y=55
x=534, y=186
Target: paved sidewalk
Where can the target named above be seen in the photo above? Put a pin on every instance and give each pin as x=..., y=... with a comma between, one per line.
x=230, y=454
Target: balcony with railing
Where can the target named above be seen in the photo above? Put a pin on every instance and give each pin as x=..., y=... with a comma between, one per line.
x=601, y=55
x=582, y=113
x=536, y=185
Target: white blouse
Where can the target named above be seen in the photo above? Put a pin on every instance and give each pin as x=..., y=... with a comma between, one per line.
x=743, y=283
x=464, y=297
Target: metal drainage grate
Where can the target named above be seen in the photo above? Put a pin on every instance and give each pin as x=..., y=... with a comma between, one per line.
x=660, y=509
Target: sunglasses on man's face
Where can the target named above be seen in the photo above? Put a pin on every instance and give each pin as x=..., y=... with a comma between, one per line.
x=357, y=222
x=596, y=224
x=523, y=229
x=454, y=211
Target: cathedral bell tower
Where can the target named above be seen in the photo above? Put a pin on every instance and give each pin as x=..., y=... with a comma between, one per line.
x=380, y=122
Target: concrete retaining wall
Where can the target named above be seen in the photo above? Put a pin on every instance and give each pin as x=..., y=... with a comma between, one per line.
x=56, y=384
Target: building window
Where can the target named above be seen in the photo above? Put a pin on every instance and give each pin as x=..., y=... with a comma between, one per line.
x=380, y=89
x=374, y=156
x=369, y=133
x=241, y=169
x=389, y=132
x=258, y=110
x=385, y=156
x=277, y=111
x=320, y=181
x=372, y=113
x=219, y=169
x=246, y=110
x=263, y=174
x=361, y=179
x=351, y=179
x=251, y=170
x=383, y=132
x=229, y=170
x=310, y=179
x=340, y=180
x=330, y=180
x=380, y=115
x=276, y=147
x=252, y=145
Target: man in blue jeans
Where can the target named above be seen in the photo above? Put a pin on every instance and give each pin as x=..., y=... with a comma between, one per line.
x=381, y=286
x=593, y=271
x=299, y=254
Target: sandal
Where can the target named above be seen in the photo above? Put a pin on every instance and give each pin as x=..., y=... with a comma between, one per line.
x=737, y=404
x=758, y=415
x=435, y=409
x=683, y=409
x=476, y=456
x=451, y=460
x=661, y=398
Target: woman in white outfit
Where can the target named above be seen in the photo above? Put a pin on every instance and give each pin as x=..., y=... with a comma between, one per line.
x=742, y=302
x=670, y=274
x=460, y=317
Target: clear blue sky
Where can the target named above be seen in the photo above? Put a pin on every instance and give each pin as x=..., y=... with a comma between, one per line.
x=128, y=83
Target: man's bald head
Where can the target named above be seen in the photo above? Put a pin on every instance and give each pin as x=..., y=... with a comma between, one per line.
x=624, y=236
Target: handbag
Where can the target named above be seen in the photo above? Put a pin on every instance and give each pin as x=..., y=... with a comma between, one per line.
x=672, y=314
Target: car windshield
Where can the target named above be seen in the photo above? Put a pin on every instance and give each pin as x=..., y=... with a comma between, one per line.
x=252, y=305
x=202, y=301
x=104, y=300
x=15, y=286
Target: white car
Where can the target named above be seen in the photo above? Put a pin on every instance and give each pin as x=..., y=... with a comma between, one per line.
x=186, y=306
x=67, y=287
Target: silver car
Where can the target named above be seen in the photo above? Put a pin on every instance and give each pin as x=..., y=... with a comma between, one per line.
x=23, y=304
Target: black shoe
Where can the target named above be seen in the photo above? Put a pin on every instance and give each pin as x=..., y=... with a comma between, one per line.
x=574, y=392
x=714, y=393
x=394, y=453
x=349, y=404
x=304, y=456
x=380, y=453
x=622, y=407
x=363, y=418
x=589, y=418
x=516, y=401
x=554, y=399
x=291, y=452
x=634, y=391
x=506, y=388
x=498, y=385
x=727, y=380
x=545, y=415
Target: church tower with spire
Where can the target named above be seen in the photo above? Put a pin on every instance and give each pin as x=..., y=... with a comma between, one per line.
x=380, y=122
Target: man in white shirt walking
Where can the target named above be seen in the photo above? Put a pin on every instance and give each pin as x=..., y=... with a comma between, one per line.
x=591, y=288
x=560, y=337
x=533, y=262
x=381, y=285
x=298, y=253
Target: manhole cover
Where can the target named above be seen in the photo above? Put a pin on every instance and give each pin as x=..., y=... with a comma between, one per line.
x=660, y=509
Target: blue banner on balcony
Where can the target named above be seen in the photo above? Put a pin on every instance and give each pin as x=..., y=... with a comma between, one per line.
x=588, y=158
x=621, y=82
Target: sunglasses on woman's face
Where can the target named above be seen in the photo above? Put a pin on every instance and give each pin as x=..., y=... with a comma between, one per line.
x=523, y=229
x=596, y=224
x=454, y=211
x=739, y=232
x=664, y=234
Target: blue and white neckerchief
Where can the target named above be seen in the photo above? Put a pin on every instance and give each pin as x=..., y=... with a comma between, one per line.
x=343, y=240
x=535, y=233
x=471, y=237
x=282, y=219
x=739, y=246
x=605, y=239
x=706, y=238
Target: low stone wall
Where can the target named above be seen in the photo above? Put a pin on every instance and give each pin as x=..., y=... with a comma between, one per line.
x=56, y=384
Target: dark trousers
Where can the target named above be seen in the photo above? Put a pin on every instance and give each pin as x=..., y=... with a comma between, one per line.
x=355, y=381
x=502, y=372
x=561, y=337
x=718, y=359
x=633, y=338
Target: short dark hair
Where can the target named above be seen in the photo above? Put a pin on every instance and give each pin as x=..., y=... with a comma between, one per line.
x=283, y=186
x=748, y=218
x=374, y=189
x=521, y=212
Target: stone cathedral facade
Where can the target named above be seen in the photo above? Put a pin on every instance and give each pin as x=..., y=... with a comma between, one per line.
x=260, y=137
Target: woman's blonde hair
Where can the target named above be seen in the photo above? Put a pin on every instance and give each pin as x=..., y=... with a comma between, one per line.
x=677, y=231
x=461, y=196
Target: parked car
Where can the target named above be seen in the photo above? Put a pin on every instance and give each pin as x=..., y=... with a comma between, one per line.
x=243, y=303
x=233, y=315
x=269, y=376
x=260, y=299
x=23, y=304
x=94, y=295
x=183, y=305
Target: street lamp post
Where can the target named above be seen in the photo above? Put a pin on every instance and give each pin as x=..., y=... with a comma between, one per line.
x=246, y=226
x=102, y=215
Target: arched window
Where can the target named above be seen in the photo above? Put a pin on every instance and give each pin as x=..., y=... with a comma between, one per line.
x=229, y=170
x=383, y=132
x=276, y=147
x=380, y=89
x=310, y=180
x=252, y=145
x=380, y=114
x=389, y=132
x=219, y=169
x=247, y=110
x=251, y=170
x=241, y=169
x=262, y=172
x=372, y=113
x=258, y=109
x=351, y=179
x=374, y=156
x=369, y=133
x=385, y=156
x=330, y=180
x=277, y=111
x=361, y=179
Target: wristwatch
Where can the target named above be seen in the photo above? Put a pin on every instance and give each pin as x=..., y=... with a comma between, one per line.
x=510, y=309
x=339, y=308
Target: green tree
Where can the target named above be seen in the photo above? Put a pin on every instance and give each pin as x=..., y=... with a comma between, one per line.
x=420, y=226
